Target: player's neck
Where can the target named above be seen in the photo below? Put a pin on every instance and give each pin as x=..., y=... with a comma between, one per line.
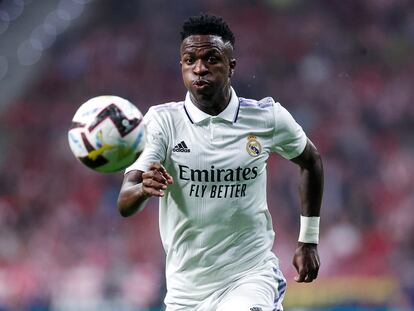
x=212, y=105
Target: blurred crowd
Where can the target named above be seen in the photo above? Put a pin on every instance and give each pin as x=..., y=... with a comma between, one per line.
x=344, y=69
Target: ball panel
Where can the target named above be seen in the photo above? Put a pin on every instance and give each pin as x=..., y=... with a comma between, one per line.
x=88, y=110
x=75, y=143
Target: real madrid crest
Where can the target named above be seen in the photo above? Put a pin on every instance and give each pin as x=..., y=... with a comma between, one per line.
x=253, y=147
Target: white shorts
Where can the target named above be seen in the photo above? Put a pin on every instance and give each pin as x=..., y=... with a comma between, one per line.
x=262, y=289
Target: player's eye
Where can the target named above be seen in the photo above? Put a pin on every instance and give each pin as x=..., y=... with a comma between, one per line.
x=212, y=59
x=189, y=60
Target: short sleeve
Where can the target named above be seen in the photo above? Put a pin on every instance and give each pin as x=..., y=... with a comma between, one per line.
x=289, y=139
x=155, y=145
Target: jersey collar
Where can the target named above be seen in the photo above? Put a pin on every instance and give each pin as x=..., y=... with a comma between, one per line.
x=230, y=113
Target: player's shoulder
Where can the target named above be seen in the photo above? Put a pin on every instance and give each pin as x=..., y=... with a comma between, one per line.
x=164, y=110
x=266, y=109
x=263, y=108
x=262, y=104
x=166, y=107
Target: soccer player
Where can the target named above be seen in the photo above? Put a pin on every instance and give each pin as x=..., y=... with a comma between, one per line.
x=205, y=159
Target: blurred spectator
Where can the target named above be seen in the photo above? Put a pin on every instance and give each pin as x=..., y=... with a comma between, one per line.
x=344, y=69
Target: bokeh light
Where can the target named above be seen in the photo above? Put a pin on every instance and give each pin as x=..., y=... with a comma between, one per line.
x=69, y=10
x=27, y=54
x=43, y=36
x=14, y=8
x=54, y=20
x=4, y=21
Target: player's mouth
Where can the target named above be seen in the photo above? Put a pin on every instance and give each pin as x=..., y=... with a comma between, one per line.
x=200, y=83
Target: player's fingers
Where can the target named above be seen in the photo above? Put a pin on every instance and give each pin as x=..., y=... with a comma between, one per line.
x=313, y=269
x=297, y=262
x=158, y=176
x=151, y=183
x=166, y=176
x=318, y=261
x=316, y=267
x=148, y=174
x=312, y=275
x=152, y=192
x=155, y=175
x=309, y=277
x=156, y=166
x=302, y=270
x=160, y=168
x=301, y=276
x=169, y=178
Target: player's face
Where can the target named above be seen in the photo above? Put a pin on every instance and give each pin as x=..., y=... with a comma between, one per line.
x=206, y=65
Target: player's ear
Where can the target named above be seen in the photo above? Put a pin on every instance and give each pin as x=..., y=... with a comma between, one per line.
x=232, y=65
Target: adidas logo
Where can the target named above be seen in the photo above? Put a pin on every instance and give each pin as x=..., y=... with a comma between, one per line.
x=181, y=147
x=256, y=309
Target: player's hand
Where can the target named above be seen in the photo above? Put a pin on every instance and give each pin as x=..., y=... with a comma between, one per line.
x=155, y=180
x=306, y=262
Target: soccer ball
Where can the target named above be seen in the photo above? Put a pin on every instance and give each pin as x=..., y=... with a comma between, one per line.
x=107, y=133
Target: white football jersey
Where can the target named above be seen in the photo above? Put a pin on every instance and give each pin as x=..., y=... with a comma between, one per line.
x=214, y=222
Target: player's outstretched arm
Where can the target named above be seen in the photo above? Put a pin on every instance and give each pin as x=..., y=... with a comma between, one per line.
x=306, y=258
x=138, y=186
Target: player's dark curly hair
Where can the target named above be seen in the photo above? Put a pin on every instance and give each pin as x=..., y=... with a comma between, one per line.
x=205, y=24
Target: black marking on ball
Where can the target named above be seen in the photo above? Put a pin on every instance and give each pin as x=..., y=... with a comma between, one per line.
x=75, y=125
x=118, y=118
x=99, y=161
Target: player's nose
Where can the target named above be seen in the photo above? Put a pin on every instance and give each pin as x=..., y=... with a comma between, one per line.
x=200, y=68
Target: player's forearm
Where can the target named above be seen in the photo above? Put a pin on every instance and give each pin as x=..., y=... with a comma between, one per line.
x=131, y=199
x=311, y=186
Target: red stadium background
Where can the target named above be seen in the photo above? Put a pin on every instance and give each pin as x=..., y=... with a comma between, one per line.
x=345, y=69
